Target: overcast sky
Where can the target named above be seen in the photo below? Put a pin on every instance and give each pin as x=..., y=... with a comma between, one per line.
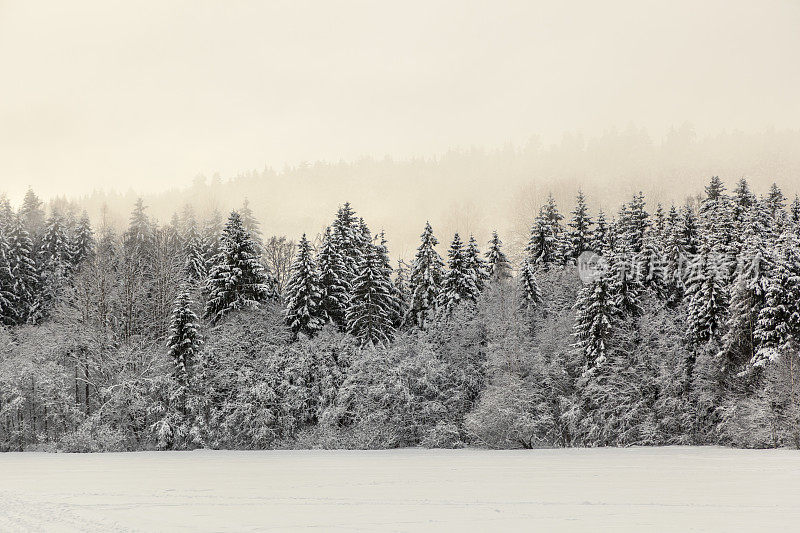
x=149, y=94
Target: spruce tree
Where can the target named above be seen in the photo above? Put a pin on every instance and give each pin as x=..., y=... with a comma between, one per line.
x=459, y=283
x=595, y=312
x=333, y=275
x=7, y=308
x=530, y=293
x=369, y=314
x=601, y=241
x=236, y=279
x=196, y=265
x=580, y=236
x=776, y=202
x=82, y=242
x=184, y=339
x=777, y=328
x=139, y=239
x=748, y=296
x=32, y=216
x=303, y=293
x=24, y=273
x=794, y=212
x=543, y=248
x=427, y=273
x=476, y=265
x=707, y=297
x=344, y=229
x=252, y=226
x=650, y=264
x=497, y=264
x=6, y=213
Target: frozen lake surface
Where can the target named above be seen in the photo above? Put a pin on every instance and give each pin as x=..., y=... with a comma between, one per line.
x=634, y=489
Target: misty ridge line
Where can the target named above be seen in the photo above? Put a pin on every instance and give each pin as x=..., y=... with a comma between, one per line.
x=475, y=190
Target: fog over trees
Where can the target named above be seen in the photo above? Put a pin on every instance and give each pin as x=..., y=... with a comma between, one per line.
x=475, y=190
x=215, y=330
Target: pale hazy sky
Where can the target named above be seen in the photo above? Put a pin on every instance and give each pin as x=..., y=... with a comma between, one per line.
x=149, y=94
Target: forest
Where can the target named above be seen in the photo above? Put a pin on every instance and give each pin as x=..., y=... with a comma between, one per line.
x=207, y=334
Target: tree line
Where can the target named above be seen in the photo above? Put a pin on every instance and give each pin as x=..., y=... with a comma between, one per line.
x=198, y=334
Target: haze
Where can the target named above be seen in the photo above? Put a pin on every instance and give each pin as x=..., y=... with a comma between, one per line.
x=147, y=95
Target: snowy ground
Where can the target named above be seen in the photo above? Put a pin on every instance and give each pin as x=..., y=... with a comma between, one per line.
x=653, y=489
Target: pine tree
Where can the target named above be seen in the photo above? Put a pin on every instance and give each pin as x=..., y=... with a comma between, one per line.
x=580, y=235
x=369, y=314
x=237, y=279
x=303, y=293
x=498, y=265
x=459, y=283
x=707, y=298
x=595, y=312
x=427, y=273
x=529, y=288
x=333, y=280
x=476, y=264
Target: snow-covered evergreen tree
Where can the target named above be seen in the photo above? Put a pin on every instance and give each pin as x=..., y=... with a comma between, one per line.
x=497, y=264
x=371, y=305
x=24, y=273
x=82, y=243
x=196, y=265
x=427, y=273
x=601, y=241
x=184, y=338
x=530, y=292
x=595, y=312
x=580, y=234
x=303, y=293
x=7, y=308
x=476, y=264
x=777, y=327
x=459, y=284
x=237, y=279
x=748, y=296
x=333, y=275
x=707, y=297
x=252, y=225
x=346, y=232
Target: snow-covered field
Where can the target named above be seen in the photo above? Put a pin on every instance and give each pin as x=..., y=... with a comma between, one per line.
x=635, y=489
